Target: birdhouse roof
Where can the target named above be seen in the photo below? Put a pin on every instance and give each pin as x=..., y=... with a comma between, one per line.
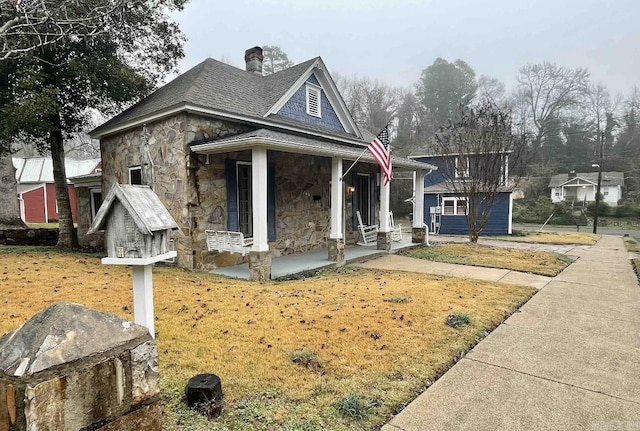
x=144, y=206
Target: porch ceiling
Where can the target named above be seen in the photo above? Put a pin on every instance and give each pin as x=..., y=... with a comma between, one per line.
x=278, y=141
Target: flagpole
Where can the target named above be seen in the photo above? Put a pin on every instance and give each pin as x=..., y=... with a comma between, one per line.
x=354, y=163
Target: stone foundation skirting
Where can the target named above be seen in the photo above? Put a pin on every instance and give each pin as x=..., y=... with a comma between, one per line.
x=418, y=235
x=384, y=241
x=335, y=250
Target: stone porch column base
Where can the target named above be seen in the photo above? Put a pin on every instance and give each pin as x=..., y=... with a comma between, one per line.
x=384, y=241
x=418, y=235
x=260, y=266
x=335, y=249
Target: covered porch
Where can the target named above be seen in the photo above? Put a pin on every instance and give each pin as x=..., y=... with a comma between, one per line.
x=297, y=263
x=338, y=189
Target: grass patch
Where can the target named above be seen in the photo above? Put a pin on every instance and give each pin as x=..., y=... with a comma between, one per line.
x=631, y=244
x=354, y=405
x=398, y=299
x=458, y=320
x=578, y=238
x=244, y=332
x=535, y=262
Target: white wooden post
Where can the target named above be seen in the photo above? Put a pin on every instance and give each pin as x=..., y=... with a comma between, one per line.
x=336, y=199
x=384, y=205
x=143, y=297
x=259, y=199
x=418, y=201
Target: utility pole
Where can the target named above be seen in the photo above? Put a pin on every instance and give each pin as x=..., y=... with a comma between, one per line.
x=599, y=165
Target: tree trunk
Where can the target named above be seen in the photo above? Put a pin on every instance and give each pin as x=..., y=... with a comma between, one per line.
x=67, y=235
x=9, y=205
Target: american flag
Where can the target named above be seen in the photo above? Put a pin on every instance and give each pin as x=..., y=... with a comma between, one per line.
x=379, y=149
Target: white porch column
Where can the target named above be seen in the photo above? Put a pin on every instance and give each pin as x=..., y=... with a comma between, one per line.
x=336, y=199
x=384, y=205
x=259, y=199
x=335, y=243
x=418, y=201
x=419, y=234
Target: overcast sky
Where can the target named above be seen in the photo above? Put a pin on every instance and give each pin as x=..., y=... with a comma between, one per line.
x=394, y=40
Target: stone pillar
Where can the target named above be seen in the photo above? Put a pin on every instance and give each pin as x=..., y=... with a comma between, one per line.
x=384, y=241
x=418, y=230
x=335, y=244
x=260, y=266
x=335, y=249
x=70, y=367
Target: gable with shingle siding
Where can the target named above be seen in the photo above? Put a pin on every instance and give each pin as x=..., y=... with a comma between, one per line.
x=296, y=108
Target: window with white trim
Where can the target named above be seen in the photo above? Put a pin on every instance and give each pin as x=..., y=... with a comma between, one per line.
x=454, y=206
x=314, y=98
x=135, y=175
x=96, y=201
x=245, y=210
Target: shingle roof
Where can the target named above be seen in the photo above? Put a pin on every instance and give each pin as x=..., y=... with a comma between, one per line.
x=289, y=142
x=218, y=86
x=608, y=178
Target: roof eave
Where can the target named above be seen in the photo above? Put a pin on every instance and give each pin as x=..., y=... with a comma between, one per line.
x=216, y=147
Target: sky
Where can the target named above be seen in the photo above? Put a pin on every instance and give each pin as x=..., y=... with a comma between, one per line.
x=394, y=40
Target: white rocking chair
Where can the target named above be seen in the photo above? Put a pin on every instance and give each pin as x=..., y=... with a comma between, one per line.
x=368, y=234
x=396, y=231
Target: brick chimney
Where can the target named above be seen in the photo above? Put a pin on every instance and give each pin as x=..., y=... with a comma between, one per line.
x=253, y=57
x=572, y=174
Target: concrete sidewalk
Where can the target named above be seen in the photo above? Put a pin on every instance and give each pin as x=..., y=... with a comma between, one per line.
x=568, y=360
x=393, y=262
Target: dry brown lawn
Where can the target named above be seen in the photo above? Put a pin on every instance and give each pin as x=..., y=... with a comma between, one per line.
x=535, y=262
x=378, y=337
x=579, y=238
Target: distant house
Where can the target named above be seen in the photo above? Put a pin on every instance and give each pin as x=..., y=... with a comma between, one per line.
x=581, y=187
x=445, y=210
x=37, y=191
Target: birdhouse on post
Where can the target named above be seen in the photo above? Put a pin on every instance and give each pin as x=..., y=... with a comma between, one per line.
x=137, y=229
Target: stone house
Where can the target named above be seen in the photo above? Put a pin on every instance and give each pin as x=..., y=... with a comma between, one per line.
x=227, y=149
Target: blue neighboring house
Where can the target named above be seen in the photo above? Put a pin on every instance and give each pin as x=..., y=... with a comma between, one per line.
x=445, y=210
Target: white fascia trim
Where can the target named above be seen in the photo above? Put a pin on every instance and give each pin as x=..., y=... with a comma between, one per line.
x=193, y=109
x=291, y=147
x=566, y=183
x=330, y=90
x=30, y=189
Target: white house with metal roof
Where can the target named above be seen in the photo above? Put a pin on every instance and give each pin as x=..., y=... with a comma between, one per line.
x=276, y=162
x=581, y=187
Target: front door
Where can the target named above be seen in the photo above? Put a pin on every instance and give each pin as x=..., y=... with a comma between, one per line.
x=363, y=188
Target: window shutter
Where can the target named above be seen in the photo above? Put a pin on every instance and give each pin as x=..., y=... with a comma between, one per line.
x=232, y=195
x=271, y=202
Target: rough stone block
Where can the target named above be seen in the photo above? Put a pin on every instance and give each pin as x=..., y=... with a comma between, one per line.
x=384, y=241
x=260, y=266
x=147, y=418
x=418, y=235
x=335, y=249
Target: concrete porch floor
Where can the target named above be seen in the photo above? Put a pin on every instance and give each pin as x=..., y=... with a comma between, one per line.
x=315, y=259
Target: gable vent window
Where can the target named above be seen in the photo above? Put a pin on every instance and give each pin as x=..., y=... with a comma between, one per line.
x=313, y=101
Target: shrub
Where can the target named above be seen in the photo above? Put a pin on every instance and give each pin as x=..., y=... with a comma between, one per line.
x=354, y=405
x=627, y=209
x=603, y=209
x=458, y=320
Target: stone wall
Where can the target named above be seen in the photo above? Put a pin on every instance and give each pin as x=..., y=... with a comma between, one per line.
x=45, y=237
x=174, y=170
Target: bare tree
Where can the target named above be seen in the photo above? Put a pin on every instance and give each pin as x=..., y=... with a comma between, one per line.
x=491, y=89
x=549, y=91
x=28, y=25
x=478, y=148
x=372, y=103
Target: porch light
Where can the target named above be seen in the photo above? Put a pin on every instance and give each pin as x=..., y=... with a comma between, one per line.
x=351, y=189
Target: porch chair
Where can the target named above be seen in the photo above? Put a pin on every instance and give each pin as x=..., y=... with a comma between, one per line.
x=231, y=242
x=396, y=231
x=368, y=234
